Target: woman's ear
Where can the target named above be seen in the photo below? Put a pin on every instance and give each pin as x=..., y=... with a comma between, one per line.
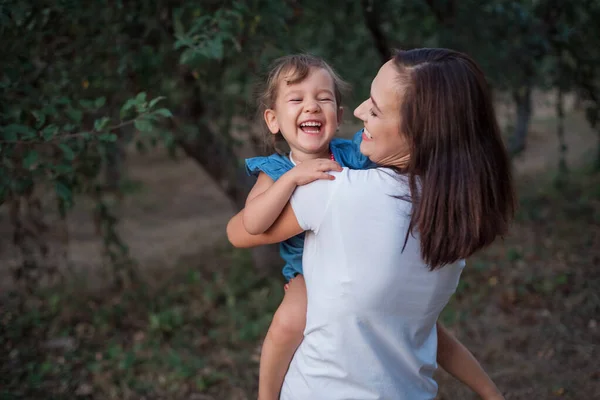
x=271, y=121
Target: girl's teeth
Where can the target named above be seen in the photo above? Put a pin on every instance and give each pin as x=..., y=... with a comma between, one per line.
x=368, y=134
x=311, y=127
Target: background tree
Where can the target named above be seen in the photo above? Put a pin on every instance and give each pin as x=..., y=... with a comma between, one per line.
x=82, y=82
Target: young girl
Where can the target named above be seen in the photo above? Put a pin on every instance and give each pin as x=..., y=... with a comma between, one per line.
x=301, y=101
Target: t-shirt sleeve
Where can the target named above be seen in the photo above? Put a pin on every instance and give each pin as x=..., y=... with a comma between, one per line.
x=311, y=202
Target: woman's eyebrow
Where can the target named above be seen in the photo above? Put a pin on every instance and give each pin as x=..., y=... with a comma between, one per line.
x=375, y=103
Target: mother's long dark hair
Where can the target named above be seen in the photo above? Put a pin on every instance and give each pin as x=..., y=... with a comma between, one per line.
x=459, y=172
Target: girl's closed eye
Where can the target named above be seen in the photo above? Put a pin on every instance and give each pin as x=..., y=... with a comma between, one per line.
x=325, y=99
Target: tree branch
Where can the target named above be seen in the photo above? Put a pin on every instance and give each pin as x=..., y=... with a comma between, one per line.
x=58, y=137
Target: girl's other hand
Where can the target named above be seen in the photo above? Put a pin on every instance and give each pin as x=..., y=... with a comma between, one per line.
x=311, y=170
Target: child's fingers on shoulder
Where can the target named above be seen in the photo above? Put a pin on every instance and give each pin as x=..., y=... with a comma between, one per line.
x=329, y=165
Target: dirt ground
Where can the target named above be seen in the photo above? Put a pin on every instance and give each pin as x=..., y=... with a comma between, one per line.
x=177, y=213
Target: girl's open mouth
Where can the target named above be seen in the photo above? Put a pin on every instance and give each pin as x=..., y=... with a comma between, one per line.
x=311, y=127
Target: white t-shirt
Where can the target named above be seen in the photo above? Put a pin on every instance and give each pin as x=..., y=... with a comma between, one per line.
x=370, y=329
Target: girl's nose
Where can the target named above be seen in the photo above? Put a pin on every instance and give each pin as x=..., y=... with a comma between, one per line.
x=312, y=106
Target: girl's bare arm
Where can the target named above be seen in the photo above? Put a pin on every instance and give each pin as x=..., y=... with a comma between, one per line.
x=458, y=361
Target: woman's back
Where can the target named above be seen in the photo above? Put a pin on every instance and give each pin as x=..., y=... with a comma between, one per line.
x=362, y=288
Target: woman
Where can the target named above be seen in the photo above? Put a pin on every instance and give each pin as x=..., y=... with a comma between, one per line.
x=385, y=247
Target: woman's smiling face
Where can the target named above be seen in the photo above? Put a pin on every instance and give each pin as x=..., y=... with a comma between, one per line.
x=382, y=141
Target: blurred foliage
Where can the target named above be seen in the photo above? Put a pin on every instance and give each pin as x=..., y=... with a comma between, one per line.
x=194, y=333
x=81, y=81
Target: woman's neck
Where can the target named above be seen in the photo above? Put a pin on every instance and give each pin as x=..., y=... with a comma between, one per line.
x=397, y=162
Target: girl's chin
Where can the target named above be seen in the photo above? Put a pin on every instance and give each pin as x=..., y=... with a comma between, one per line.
x=315, y=144
x=314, y=151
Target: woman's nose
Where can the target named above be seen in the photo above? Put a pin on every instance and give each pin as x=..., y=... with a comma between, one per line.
x=359, y=112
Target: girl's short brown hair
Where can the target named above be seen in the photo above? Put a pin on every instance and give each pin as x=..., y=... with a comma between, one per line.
x=459, y=171
x=293, y=69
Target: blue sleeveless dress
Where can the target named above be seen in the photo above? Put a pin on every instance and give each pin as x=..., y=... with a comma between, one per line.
x=346, y=153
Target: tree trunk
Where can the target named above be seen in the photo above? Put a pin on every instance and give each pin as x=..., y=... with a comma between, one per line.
x=42, y=256
x=373, y=25
x=597, y=163
x=115, y=159
x=562, y=145
x=522, y=98
x=218, y=158
x=220, y=161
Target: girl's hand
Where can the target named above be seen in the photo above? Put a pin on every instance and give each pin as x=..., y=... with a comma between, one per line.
x=311, y=170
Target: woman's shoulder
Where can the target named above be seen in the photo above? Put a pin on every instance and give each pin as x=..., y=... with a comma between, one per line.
x=376, y=177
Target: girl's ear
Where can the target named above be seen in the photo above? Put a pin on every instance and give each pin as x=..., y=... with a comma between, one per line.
x=271, y=121
x=340, y=115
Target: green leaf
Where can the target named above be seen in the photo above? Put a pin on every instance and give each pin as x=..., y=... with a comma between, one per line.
x=15, y=132
x=163, y=112
x=49, y=110
x=217, y=49
x=87, y=104
x=155, y=100
x=68, y=128
x=129, y=104
x=49, y=132
x=186, y=57
x=107, y=137
x=177, y=24
x=40, y=118
x=63, y=169
x=75, y=114
x=140, y=98
x=30, y=159
x=67, y=151
x=9, y=135
x=101, y=123
x=63, y=191
x=100, y=101
x=143, y=125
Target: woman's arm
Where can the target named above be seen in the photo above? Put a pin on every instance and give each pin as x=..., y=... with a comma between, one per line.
x=458, y=361
x=267, y=198
x=284, y=228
